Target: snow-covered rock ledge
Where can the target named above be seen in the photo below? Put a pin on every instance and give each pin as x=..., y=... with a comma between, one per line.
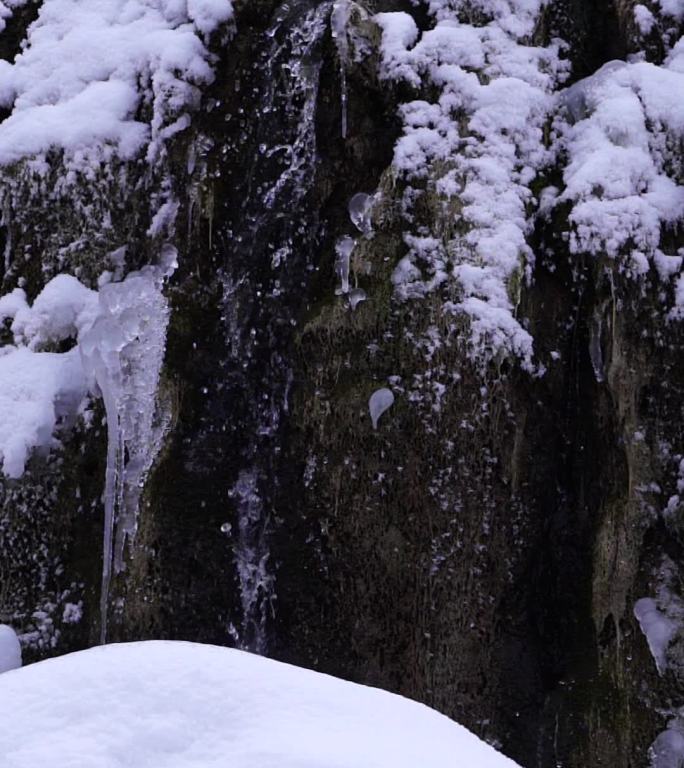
x=184, y=705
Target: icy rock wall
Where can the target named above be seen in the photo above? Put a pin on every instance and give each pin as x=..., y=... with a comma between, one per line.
x=509, y=279
x=97, y=158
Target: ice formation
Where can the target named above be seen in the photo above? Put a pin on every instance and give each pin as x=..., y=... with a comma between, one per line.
x=123, y=352
x=360, y=207
x=119, y=335
x=343, y=249
x=356, y=296
x=380, y=401
x=10, y=649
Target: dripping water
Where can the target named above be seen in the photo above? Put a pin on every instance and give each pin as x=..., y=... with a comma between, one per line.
x=270, y=244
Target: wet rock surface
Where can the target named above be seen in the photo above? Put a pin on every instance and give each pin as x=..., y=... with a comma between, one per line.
x=480, y=548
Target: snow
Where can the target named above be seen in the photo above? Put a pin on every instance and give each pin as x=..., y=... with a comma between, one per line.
x=657, y=628
x=667, y=751
x=645, y=20
x=183, y=705
x=481, y=142
x=37, y=390
x=10, y=650
x=619, y=134
x=673, y=8
x=482, y=138
x=87, y=69
x=7, y=7
x=60, y=311
x=119, y=337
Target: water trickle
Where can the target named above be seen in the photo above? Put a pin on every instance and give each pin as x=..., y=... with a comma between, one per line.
x=339, y=19
x=271, y=237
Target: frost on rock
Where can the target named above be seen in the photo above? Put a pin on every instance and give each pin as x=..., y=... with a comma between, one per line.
x=380, y=401
x=10, y=649
x=476, y=147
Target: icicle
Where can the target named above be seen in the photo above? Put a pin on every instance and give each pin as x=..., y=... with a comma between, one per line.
x=359, y=212
x=344, y=249
x=339, y=19
x=356, y=297
x=380, y=401
x=123, y=351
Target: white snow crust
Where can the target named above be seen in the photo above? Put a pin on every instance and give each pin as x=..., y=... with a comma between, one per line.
x=620, y=134
x=481, y=143
x=183, y=705
x=486, y=138
x=89, y=68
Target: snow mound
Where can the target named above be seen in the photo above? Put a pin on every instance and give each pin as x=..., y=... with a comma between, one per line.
x=621, y=136
x=182, y=705
x=88, y=70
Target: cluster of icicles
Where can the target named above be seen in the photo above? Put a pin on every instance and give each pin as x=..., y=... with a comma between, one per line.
x=360, y=208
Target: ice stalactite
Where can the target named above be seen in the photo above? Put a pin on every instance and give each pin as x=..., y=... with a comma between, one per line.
x=123, y=352
x=339, y=20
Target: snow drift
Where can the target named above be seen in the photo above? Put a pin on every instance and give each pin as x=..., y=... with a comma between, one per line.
x=177, y=705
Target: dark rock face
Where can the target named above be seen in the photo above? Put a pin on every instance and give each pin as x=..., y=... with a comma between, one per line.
x=483, y=548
